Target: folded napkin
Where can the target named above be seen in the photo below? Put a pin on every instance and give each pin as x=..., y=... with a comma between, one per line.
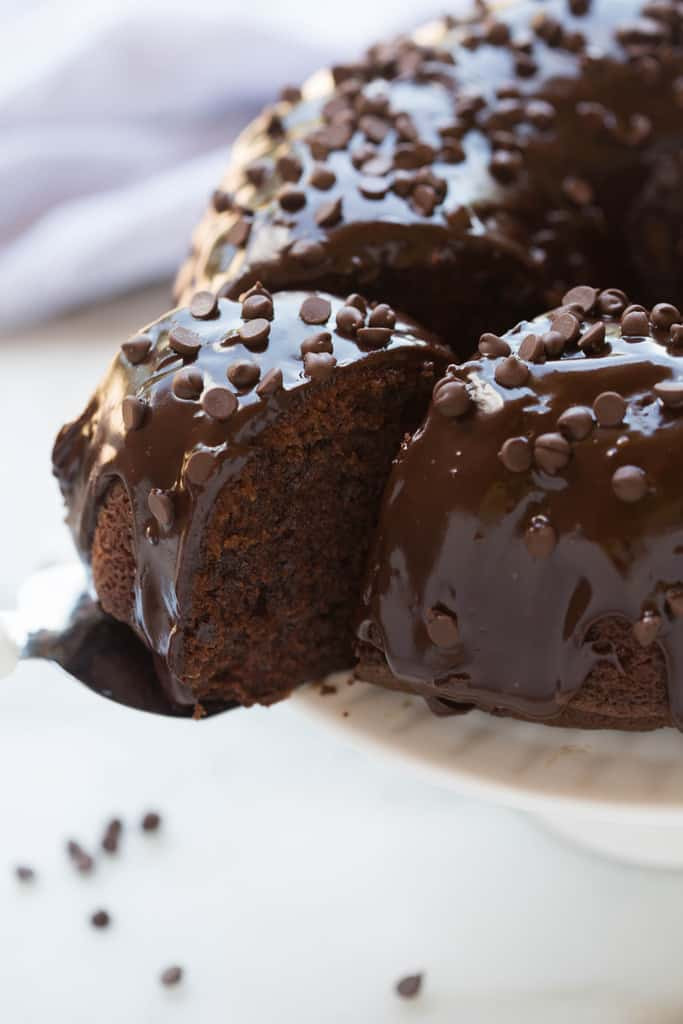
x=116, y=120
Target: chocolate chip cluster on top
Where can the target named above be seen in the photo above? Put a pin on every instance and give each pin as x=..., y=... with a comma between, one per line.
x=207, y=395
x=546, y=482
x=495, y=150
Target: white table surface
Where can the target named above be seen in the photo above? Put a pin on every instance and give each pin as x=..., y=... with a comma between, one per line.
x=295, y=878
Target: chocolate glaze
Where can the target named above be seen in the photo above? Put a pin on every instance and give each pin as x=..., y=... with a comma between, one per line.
x=492, y=565
x=173, y=457
x=502, y=151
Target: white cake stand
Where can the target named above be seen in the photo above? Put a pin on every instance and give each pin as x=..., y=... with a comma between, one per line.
x=618, y=794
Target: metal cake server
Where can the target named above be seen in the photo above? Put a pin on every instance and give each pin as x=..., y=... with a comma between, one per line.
x=57, y=620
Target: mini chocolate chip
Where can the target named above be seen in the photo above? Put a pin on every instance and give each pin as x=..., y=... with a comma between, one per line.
x=255, y=333
x=664, y=315
x=677, y=335
x=319, y=365
x=378, y=166
x=308, y=253
x=291, y=199
x=670, y=393
x=552, y=452
x=137, y=348
x=492, y=346
x=171, y=976
x=222, y=201
x=578, y=191
x=576, y=423
x=184, y=341
x=373, y=187
x=315, y=310
x=505, y=165
x=674, y=600
x=382, y=316
x=410, y=986
x=349, y=319
x=515, y=454
x=187, y=384
x=320, y=342
x=134, y=412
x=629, y=483
x=424, y=199
x=612, y=302
x=451, y=398
x=645, y=630
x=329, y=214
x=100, y=919
x=442, y=628
x=583, y=297
x=354, y=299
x=532, y=349
x=568, y=325
x=322, y=177
x=609, y=409
x=257, y=307
x=238, y=235
x=374, y=337
x=593, y=340
x=203, y=305
x=82, y=861
x=150, y=822
x=219, y=403
x=540, y=537
x=289, y=168
x=24, y=873
x=553, y=343
x=112, y=836
x=511, y=372
x=635, y=323
x=161, y=506
x=199, y=466
x=271, y=383
x=290, y=93
x=243, y=374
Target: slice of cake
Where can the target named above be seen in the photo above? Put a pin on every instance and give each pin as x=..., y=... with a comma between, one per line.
x=224, y=481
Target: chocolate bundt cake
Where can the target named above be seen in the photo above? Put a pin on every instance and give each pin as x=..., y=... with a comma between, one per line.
x=514, y=153
x=529, y=559
x=224, y=482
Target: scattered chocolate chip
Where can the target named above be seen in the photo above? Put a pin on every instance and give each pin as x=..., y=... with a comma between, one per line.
x=583, y=297
x=674, y=600
x=203, y=305
x=664, y=315
x=82, y=861
x=254, y=333
x=291, y=199
x=243, y=374
x=354, y=299
x=670, y=393
x=515, y=454
x=271, y=383
x=134, y=412
x=677, y=335
x=188, y=384
x=290, y=93
x=578, y=191
x=257, y=172
x=322, y=177
x=576, y=423
x=329, y=214
x=112, y=836
x=319, y=365
x=161, y=506
x=442, y=628
x=410, y=986
x=315, y=310
x=635, y=323
x=552, y=452
x=257, y=307
x=222, y=201
x=320, y=342
x=424, y=199
x=137, y=348
x=289, y=168
x=373, y=187
x=593, y=340
x=378, y=166
x=568, y=325
x=511, y=372
x=629, y=483
x=349, y=319
x=150, y=822
x=171, y=976
x=612, y=302
x=199, y=466
x=219, y=403
x=382, y=316
x=646, y=629
x=24, y=873
x=100, y=919
x=553, y=343
x=532, y=349
x=540, y=537
x=494, y=347
x=374, y=337
x=609, y=409
x=505, y=165
x=238, y=235
x=184, y=341
x=451, y=398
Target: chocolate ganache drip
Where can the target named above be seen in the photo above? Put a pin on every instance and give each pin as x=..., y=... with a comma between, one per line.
x=541, y=497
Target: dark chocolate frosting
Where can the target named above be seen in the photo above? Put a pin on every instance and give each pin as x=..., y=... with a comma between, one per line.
x=181, y=411
x=522, y=149
x=541, y=496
